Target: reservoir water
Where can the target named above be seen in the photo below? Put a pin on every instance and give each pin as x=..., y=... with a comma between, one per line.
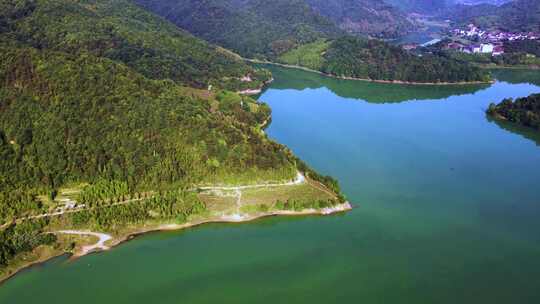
x=447, y=210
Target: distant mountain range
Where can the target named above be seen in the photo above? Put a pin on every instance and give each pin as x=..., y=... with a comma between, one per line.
x=315, y=34
x=419, y=6
x=367, y=17
x=270, y=28
x=250, y=27
x=507, y=15
x=515, y=16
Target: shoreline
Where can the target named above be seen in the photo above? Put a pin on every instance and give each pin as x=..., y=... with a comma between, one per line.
x=367, y=79
x=251, y=92
x=231, y=219
x=118, y=240
x=36, y=263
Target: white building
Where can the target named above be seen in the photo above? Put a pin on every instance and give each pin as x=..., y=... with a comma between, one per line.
x=486, y=48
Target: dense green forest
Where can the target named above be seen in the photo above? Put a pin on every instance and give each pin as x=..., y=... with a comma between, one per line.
x=254, y=28
x=373, y=59
x=271, y=31
x=104, y=97
x=365, y=17
x=523, y=46
x=23, y=237
x=420, y=6
x=66, y=119
x=121, y=31
x=524, y=111
x=507, y=59
x=175, y=206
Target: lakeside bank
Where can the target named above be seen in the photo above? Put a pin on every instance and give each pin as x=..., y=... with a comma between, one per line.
x=109, y=241
x=256, y=61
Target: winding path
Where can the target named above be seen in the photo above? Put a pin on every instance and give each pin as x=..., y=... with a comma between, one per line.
x=300, y=179
x=238, y=216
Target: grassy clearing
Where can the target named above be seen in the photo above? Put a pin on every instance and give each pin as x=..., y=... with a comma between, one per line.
x=309, y=55
x=219, y=204
x=269, y=196
x=264, y=199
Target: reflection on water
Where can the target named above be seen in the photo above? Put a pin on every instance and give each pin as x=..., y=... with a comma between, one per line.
x=528, y=133
x=287, y=78
x=517, y=76
x=365, y=90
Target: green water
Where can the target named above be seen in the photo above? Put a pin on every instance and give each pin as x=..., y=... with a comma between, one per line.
x=447, y=211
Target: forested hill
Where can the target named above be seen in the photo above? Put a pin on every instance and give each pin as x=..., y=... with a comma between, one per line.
x=524, y=111
x=375, y=60
x=292, y=32
x=253, y=28
x=420, y=6
x=94, y=98
x=122, y=31
x=77, y=105
x=515, y=16
x=365, y=17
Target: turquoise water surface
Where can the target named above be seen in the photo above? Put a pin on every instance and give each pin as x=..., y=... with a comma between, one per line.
x=447, y=210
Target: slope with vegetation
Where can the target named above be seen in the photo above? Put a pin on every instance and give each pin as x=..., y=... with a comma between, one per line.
x=121, y=31
x=517, y=53
x=351, y=57
x=102, y=126
x=253, y=28
x=420, y=6
x=292, y=32
x=365, y=17
x=524, y=111
x=514, y=16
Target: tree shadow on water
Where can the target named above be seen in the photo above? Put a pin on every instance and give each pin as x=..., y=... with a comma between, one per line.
x=526, y=132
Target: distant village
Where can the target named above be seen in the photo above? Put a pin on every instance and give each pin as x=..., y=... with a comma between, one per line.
x=473, y=40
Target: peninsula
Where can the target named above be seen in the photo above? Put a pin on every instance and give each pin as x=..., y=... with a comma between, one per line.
x=114, y=122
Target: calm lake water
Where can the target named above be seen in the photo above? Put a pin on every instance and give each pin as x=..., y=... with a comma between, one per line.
x=447, y=211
